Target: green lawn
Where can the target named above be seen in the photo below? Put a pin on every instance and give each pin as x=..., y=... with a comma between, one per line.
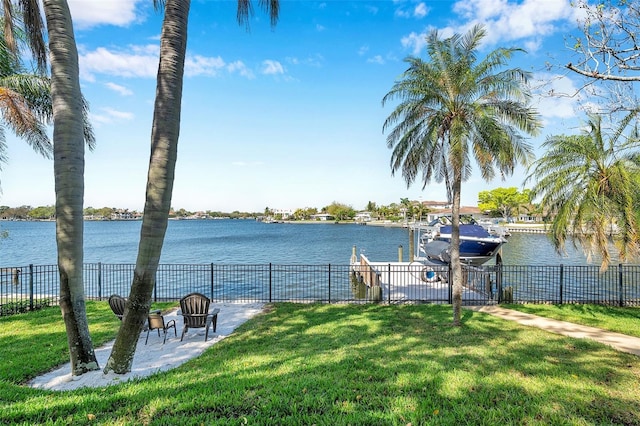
x=337, y=365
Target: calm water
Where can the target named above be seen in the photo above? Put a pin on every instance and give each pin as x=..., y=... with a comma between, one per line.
x=247, y=242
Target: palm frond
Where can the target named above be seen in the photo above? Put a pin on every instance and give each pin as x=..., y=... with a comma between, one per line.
x=589, y=185
x=34, y=29
x=245, y=11
x=17, y=114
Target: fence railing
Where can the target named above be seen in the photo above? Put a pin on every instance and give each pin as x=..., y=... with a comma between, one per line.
x=33, y=285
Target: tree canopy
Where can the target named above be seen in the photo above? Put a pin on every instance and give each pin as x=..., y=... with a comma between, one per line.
x=502, y=201
x=588, y=185
x=455, y=110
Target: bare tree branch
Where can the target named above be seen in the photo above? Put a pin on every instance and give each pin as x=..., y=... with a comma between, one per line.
x=608, y=46
x=601, y=76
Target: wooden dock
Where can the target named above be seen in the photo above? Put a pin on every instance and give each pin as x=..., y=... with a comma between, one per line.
x=525, y=229
x=415, y=281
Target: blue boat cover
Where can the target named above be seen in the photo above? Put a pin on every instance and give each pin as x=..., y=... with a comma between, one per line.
x=467, y=230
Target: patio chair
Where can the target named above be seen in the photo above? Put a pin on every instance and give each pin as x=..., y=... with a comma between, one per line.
x=194, y=309
x=118, y=304
x=156, y=322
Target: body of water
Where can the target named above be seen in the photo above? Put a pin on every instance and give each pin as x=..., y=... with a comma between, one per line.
x=248, y=242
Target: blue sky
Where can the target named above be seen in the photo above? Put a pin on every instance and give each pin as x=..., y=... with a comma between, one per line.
x=286, y=117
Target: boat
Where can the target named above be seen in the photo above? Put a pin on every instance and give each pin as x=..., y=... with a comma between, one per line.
x=478, y=245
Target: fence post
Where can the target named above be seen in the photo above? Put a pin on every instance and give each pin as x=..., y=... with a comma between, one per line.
x=99, y=280
x=389, y=279
x=329, y=283
x=620, y=286
x=450, y=281
x=270, y=285
x=561, y=282
x=499, y=281
x=211, y=280
x=31, y=287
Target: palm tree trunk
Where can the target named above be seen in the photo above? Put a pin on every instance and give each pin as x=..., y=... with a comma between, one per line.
x=164, y=147
x=456, y=265
x=68, y=140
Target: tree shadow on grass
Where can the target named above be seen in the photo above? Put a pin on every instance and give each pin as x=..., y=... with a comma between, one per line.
x=367, y=364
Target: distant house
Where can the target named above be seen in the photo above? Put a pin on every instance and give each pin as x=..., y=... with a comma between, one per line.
x=523, y=217
x=124, y=214
x=439, y=208
x=437, y=205
x=322, y=216
x=363, y=217
x=121, y=215
x=283, y=214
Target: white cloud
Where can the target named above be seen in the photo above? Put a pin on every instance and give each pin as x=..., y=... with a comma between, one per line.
x=533, y=45
x=417, y=41
x=201, y=65
x=414, y=41
x=555, y=96
x=120, y=89
x=320, y=28
x=100, y=12
x=527, y=21
x=314, y=60
x=399, y=13
x=372, y=9
x=271, y=67
x=240, y=68
x=118, y=114
x=480, y=9
x=110, y=115
x=515, y=21
x=421, y=10
x=142, y=62
x=376, y=60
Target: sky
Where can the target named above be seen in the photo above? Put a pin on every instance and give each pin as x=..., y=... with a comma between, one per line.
x=285, y=117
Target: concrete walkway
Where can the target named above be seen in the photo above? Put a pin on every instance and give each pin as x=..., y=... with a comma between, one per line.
x=619, y=341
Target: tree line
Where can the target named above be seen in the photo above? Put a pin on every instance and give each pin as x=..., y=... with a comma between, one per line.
x=341, y=211
x=499, y=202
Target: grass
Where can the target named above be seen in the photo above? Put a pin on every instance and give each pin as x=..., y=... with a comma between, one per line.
x=35, y=342
x=339, y=365
x=621, y=320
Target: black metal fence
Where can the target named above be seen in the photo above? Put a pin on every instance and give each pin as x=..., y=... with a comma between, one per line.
x=619, y=285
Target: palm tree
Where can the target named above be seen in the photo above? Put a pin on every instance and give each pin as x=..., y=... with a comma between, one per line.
x=26, y=105
x=164, y=144
x=71, y=131
x=588, y=184
x=407, y=209
x=68, y=164
x=454, y=107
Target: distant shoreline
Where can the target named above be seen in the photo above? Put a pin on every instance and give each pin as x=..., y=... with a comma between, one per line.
x=511, y=227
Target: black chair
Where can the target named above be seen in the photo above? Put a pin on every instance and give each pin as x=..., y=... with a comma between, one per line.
x=156, y=322
x=194, y=309
x=118, y=303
